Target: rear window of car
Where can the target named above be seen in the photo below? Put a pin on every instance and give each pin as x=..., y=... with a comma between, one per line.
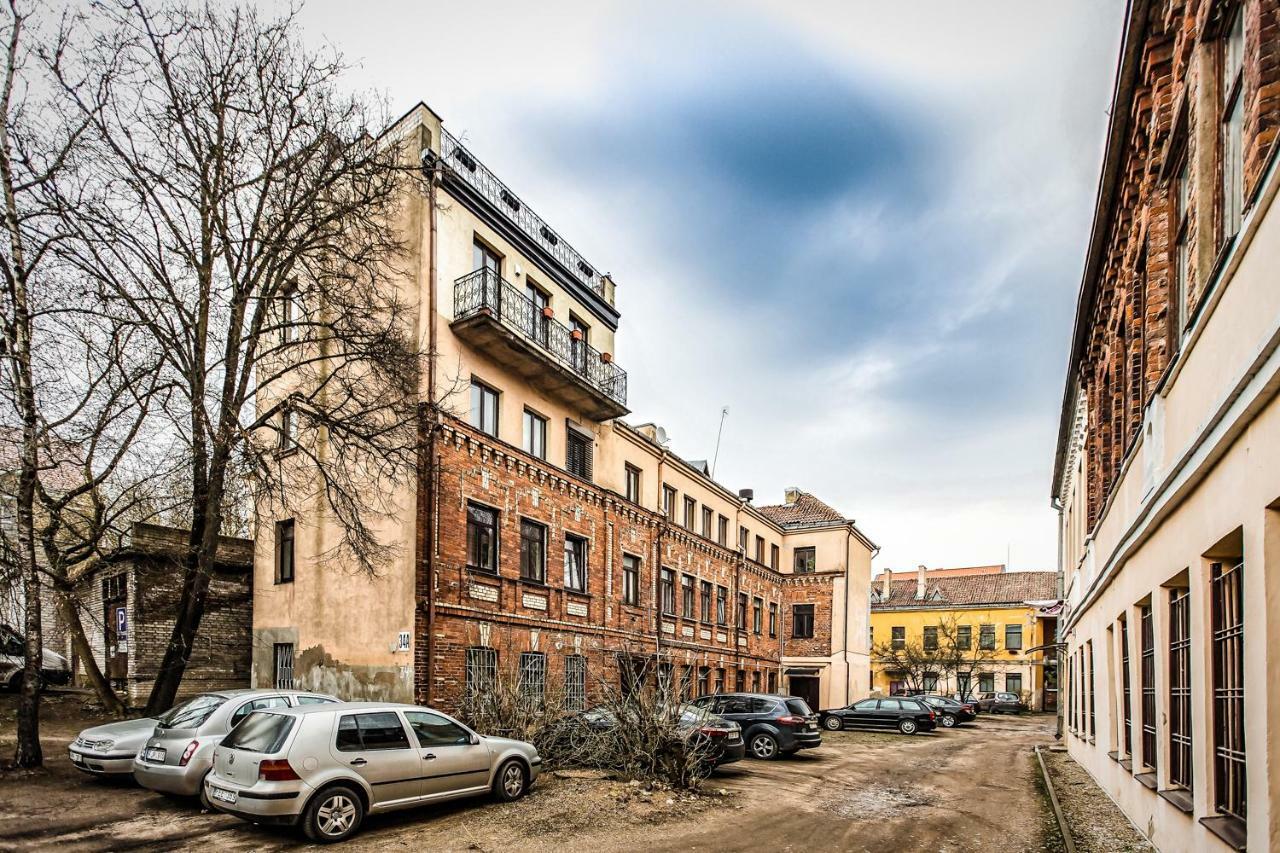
x=260, y=732
x=190, y=714
x=798, y=706
x=379, y=730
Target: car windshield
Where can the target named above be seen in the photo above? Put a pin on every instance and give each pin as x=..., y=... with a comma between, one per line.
x=190, y=714
x=693, y=715
x=260, y=732
x=798, y=706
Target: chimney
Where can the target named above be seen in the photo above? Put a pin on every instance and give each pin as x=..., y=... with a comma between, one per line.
x=790, y=495
x=747, y=494
x=887, y=577
x=920, y=584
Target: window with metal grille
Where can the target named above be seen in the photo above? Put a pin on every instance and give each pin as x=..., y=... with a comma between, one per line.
x=1126, y=688
x=1148, y=653
x=282, y=674
x=1092, y=719
x=482, y=538
x=481, y=671
x=578, y=454
x=1227, y=582
x=630, y=579
x=575, y=682
x=1180, y=688
x=533, y=675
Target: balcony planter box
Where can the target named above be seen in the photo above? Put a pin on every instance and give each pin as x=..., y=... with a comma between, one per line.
x=548, y=313
x=577, y=334
x=606, y=357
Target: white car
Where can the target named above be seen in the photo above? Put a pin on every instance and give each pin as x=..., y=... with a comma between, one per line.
x=53, y=666
x=109, y=750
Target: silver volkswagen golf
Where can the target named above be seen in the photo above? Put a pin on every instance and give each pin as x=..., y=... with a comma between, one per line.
x=179, y=752
x=326, y=767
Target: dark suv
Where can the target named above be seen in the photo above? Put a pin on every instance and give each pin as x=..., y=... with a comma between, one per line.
x=895, y=712
x=771, y=725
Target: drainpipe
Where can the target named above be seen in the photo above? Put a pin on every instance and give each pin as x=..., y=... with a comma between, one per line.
x=657, y=568
x=848, y=582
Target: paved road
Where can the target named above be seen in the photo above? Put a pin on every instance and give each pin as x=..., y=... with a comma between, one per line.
x=969, y=789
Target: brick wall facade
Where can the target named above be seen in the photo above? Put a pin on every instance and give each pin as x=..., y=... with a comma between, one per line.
x=474, y=607
x=1174, y=117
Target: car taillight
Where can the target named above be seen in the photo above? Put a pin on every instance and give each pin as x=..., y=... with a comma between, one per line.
x=711, y=732
x=276, y=770
x=791, y=720
x=188, y=752
x=932, y=716
x=968, y=708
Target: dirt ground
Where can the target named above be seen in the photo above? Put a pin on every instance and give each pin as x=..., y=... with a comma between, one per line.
x=974, y=788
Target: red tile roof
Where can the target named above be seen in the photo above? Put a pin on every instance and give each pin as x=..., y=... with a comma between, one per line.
x=805, y=509
x=966, y=590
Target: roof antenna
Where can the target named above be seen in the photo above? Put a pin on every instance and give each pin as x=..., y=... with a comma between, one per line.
x=724, y=413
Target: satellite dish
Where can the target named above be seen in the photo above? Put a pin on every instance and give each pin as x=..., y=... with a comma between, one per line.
x=660, y=435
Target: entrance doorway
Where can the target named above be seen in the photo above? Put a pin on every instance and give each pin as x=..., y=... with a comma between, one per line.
x=806, y=687
x=115, y=620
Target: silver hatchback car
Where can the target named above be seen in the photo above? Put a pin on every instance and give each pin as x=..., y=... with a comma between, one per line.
x=326, y=767
x=179, y=752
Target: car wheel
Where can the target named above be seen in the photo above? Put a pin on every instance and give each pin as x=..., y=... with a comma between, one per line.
x=948, y=721
x=833, y=723
x=510, y=782
x=333, y=815
x=907, y=727
x=764, y=746
x=204, y=796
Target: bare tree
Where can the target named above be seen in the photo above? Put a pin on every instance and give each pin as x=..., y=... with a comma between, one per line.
x=250, y=220
x=912, y=660
x=75, y=388
x=963, y=655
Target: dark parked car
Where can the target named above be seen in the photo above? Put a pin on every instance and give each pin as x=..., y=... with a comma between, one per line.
x=1001, y=703
x=949, y=712
x=771, y=725
x=721, y=738
x=896, y=712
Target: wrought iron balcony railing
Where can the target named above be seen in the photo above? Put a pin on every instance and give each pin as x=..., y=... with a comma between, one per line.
x=485, y=291
x=485, y=182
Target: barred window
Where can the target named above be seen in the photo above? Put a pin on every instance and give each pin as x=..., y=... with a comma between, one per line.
x=575, y=682
x=1180, y=688
x=283, y=659
x=533, y=675
x=1126, y=688
x=1148, y=652
x=1092, y=720
x=481, y=671
x=1228, y=690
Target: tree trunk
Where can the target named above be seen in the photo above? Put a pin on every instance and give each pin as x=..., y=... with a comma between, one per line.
x=111, y=702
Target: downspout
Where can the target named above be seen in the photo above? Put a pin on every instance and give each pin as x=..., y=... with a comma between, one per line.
x=848, y=582
x=433, y=463
x=657, y=568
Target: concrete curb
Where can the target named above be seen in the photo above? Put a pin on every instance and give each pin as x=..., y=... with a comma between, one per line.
x=1053, y=801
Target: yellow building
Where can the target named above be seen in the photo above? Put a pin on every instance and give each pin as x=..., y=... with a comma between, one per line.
x=969, y=630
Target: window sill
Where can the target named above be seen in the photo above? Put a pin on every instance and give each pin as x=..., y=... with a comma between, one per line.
x=533, y=583
x=577, y=593
x=1127, y=764
x=485, y=573
x=1148, y=779
x=1180, y=797
x=636, y=609
x=1232, y=830
x=1114, y=756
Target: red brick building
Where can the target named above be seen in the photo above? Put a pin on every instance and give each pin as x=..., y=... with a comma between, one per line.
x=543, y=535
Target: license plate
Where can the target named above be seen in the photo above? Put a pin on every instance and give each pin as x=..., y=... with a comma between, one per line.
x=154, y=753
x=77, y=757
x=813, y=727
x=224, y=796
x=734, y=738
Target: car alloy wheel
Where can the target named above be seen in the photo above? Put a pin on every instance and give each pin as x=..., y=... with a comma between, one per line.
x=833, y=723
x=948, y=720
x=513, y=780
x=907, y=727
x=336, y=815
x=764, y=746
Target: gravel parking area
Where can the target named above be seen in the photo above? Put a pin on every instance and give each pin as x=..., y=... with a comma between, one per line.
x=1097, y=824
x=969, y=789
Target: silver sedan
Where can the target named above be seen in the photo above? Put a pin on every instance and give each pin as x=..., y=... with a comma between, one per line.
x=179, y=752
x=326, y=767
x=109, y=750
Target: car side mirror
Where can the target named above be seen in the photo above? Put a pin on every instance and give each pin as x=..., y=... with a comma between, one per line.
x=475, y=739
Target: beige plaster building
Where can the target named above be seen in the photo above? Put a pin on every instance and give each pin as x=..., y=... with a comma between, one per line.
x=1167, y=477
x=542, y=532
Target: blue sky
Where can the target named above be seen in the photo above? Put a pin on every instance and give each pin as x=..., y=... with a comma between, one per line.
x=859, y=226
